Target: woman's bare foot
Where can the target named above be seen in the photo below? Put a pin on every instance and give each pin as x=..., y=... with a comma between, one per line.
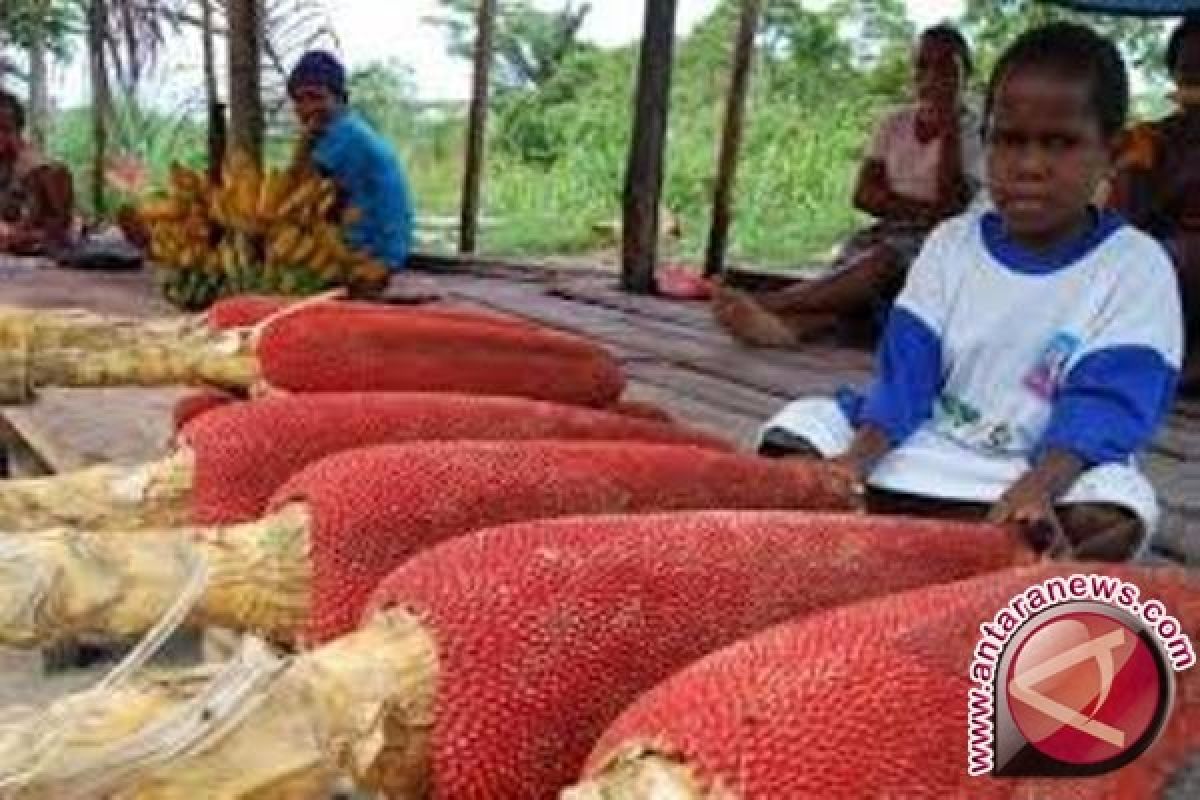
x=748, y=321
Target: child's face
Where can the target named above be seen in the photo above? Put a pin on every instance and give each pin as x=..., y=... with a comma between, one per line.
x=938, y=73
x=1046, y=154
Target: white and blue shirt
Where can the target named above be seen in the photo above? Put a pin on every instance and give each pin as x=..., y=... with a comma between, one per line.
x=994, y=354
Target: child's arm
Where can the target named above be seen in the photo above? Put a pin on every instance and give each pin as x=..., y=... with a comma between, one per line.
x=1030, y=501
x=1114, y=398
x=909, y=366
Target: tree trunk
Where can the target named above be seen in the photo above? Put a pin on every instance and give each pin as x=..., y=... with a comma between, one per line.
x=644, y=174
x=97, y=30
x=39, y=88
x=731, y=138
x=477, y=127
x=216, y=111
x=245, y=77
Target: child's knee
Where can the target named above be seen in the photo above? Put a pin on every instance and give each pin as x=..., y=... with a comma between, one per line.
x=1102, y=532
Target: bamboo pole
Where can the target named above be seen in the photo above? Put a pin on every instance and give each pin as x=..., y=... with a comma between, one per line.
x=63, y=583
x=103, y=498
x=263, y=728
x=644, y=173
x=731, y=138
x=477, y=126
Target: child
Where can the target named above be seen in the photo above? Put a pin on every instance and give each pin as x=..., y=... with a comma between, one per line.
x=340, y=144
x=923, y=167
x=1035, y=348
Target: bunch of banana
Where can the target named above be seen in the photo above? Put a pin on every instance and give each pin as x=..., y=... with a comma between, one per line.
x=253, y=231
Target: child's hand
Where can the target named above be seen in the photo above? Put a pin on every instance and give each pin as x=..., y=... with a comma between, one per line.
x=846, y=480
x=1028, y=506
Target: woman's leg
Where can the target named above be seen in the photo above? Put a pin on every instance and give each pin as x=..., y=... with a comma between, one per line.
x=789, y=316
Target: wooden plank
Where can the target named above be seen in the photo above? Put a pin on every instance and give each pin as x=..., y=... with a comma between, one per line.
x=707, y=353
x=1178, y=487
x=123, y=293
x=644, y=172
x=738, y=429
x=477, y=126
x=605, y=293
x=70, y=429
x=731, y=138
x=716, y=392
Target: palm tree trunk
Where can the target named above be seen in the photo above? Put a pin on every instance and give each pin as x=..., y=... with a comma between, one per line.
x=245, y=77
x=39, y=89
x=97, y=30
x=216, y=111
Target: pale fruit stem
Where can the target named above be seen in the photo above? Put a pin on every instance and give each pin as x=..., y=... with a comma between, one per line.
x=643, y=775
x=63, y=583
x=78, y=349
x=109, y=497
x=262, y=727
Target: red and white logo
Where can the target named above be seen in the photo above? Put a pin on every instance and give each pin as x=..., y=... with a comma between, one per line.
x=1082, y=689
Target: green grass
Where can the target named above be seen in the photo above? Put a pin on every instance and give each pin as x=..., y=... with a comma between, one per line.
x=792, y=200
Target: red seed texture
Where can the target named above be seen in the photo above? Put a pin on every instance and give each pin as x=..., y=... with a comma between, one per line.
x=373, y=509
x=871, y=701
x=337, y=346
x=546, y=631
x=245, y=310
x=244, y=452
x=194, y=404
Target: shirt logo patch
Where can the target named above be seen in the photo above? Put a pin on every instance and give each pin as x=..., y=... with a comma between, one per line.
x=1044, y=379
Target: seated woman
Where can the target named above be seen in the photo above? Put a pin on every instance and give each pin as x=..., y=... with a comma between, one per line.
x=1035, y=349
x=923, y=166
x=1157, y=187
x=36, y=196
x=340, y=145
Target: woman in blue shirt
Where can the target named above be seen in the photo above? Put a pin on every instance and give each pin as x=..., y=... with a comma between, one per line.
x=342, y=146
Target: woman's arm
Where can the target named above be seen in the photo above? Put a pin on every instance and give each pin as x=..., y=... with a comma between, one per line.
x=953, y=194
x=873, y=194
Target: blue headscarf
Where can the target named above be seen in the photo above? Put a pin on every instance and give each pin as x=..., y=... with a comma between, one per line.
x=319, y=68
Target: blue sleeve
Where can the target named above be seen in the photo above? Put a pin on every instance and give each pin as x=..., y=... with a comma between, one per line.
x=1111, y=405
x=908, y=379
x=334, y=151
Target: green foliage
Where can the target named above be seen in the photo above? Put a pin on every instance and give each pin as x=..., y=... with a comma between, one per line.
x=153, y=139
x=561, y=118
x=530, y=45
x=23, y=21
x=384, y=93
x=993, y=24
